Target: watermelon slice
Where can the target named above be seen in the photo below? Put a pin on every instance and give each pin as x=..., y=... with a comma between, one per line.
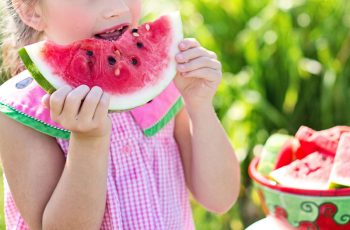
x=312, y=141
x=133, y=69
x=340, y=175
x=312, y=172
x=336, y=132
x=288, y=153
x=278, y=150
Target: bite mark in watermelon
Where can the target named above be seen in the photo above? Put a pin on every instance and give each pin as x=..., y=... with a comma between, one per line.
x=133, y=69
x=312, y=172
x=340, y=175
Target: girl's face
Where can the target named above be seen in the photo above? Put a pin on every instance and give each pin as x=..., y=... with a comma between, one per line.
x=66, y=21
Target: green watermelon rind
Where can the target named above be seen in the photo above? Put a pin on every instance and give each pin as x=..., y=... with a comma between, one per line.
x=270, y=152
x=338, y=182
x=35, y=72
x=335, y=185
x=34, y=123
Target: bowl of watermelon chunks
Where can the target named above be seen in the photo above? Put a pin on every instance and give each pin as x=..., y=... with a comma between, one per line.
x=304, y=180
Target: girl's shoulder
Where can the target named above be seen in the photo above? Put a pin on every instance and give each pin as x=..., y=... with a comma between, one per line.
x=20, y=99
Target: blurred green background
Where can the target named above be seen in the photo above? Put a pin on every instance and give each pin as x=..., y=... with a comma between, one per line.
x=285, y=63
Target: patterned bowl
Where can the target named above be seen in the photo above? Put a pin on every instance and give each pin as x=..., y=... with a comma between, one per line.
x=303, y=208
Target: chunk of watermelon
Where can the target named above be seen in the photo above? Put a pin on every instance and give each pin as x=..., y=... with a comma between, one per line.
x=336, y=132
x=325, y=141
x=312, y=172
x=133, y=69
x=278, y=151
x=340, y=175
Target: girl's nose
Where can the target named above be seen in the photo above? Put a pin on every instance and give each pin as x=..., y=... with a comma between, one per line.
x=116, y=10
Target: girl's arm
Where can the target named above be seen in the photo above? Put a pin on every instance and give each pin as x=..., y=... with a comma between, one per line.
x=32, y=163
x=49, y=192
x=78, y=201
x=211, y=168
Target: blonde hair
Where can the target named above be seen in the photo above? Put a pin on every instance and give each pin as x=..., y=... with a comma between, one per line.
x=15, y=34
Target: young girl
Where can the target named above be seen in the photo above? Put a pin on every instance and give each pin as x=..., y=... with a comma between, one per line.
x=109, y=174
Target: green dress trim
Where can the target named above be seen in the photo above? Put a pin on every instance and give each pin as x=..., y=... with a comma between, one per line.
x=165, y=119
x=33, y=122
x=56, y=132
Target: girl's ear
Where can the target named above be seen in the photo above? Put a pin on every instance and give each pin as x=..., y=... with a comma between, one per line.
x=30, y=13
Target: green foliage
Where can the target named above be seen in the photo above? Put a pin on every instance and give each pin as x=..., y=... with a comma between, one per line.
x=286, y=64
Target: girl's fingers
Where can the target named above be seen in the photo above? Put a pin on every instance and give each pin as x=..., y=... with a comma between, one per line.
x=201, y=62
x=205, y=73
x=74, y=100
x=194, y=53
x=89, y=106
x=57, y=100
x=102, y=107
x=45, y=101
x=188, y=43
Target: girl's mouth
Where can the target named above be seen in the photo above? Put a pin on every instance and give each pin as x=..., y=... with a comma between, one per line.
x=112, y=34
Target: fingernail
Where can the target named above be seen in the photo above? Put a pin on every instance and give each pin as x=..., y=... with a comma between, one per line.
x=97, y=88
x=182, y=46
x=68, y=87
x=85, y=87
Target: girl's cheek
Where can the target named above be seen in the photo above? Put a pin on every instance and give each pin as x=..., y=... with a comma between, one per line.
x=135, y=8
x=68, y=24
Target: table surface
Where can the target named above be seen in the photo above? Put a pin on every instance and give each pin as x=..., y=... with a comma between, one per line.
x=269, y=223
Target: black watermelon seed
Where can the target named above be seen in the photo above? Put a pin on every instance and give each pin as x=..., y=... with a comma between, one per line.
x=111, y=60
x=89, y=53
x=139, y=45
x=149, y=101
x=134, y=61
x=24, y=83
x=134, y=30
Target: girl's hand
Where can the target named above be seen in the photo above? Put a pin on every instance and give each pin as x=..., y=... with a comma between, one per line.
x=82, y=111
x=199, y=73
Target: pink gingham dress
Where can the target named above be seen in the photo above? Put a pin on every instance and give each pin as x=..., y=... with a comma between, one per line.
x=146, y=184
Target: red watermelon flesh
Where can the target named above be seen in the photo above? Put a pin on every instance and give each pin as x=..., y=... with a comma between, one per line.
x=340, y=176
x=271, y=152
x=312, y=172
x=336, y=132
x=311, y=141
x=133, y=69
x=288, y=153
